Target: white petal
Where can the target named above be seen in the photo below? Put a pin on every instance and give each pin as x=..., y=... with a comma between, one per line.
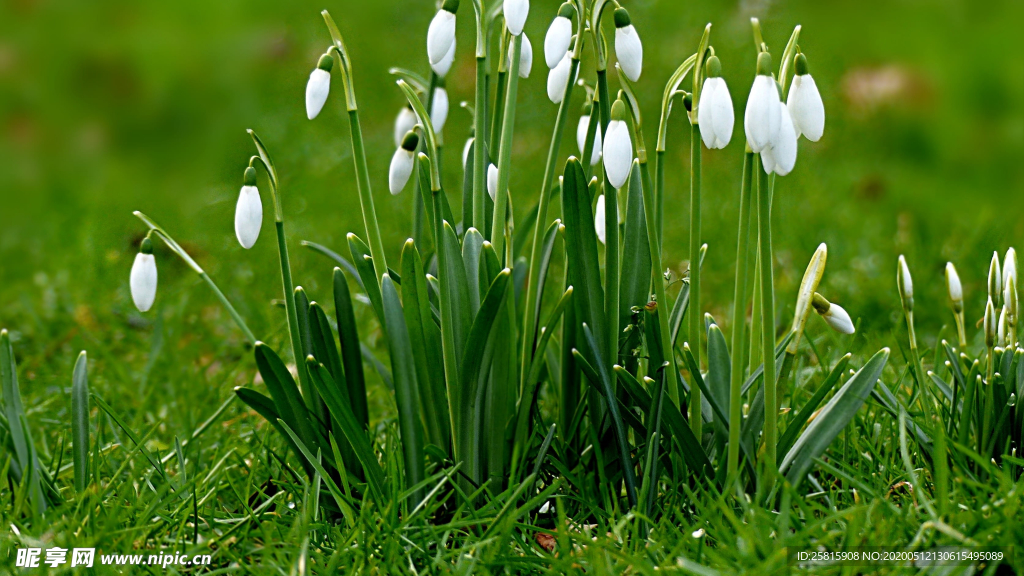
x=439, y=110
x=465, y=152
x=557, y=40
x=618, y=153
x=492, y=182
x=441, y=68
x=440, y=36
x=525, y=57
x=401, y=168
x=767, y=160
x=516, y=12
x=784, y=147
x=805, y=106
x=761, y=118
x=715, y=114
x=405, y=122
x=317, y=88
x=956, y=289
x=908, y=281
x=581, y=139
x=1010, y=268
x=558, y=78
x=248, y=216
x=629, y=51
x=599, y=219
x=143, y=281
x=839, y=320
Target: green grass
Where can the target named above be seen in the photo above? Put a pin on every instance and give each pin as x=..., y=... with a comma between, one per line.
x=151, y=116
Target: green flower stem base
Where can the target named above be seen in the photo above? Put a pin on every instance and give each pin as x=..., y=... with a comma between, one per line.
x=693, y=310
x=739, y=308
x=508, y=120
x=771, y=408
x=479, y=152
x=611, y=218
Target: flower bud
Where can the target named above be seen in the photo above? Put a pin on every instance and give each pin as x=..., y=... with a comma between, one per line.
x=833, y=314
x=318, y=86
x=404, y=123
x=465, y=151
x=991, y=323
x=1009, y=270
x=525, y=57
x=558, y=78
x=956, y=290
x=715, y=115
x=402, y=163
x=995, y=280
x=441, y=35
x=559, y=36
x=599, y=219
x=1001, y=328
x=805, y=104
x=516, y=12
x=618, y=147
x=143, y=277
x=628, y=48
x=248, y=211
x=439, y=109
x=905, y=284
x=581, y=138
x=492, y=182
x=763, y=116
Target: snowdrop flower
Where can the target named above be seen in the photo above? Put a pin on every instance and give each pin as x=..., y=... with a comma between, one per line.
x=439, y=109
x=762, y=117
x=833, y=314
x=780, y=155
x=628, y=49
x=248, y=211
x=525, y=57
x=515, y=12
x=143, y=277
x=905, y=284
x=599, y=219
x=581, y=134
x=465, y=151
x=956, y=289
x=714, y=112
x=404, y=123
x=318, y=86
x=558, y=79
x=618, y=147
x=804, y=103
x=442, y=67
x=1009, y=268
x=492, y=181
x=402, y=163
x=995, y=278
x=1001, y=328
x=441, y=36
x=990, y=323
x=559, y=36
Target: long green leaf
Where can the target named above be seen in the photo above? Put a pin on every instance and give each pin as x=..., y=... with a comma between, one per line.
x=326, y=353
x=456, y=320
x=80, y=422
x=283, y=390
x=351, y=351
x=20, y=434
x=719, y=377
x=636, y=252
x=581, y=251
x=797, y=423
x=364, y=264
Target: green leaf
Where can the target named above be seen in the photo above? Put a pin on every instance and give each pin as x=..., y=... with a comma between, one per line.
x=581, y=250
x=287, y=400
x=636, y=252
x=546, y=252
x=797, y=423
x=326, y=353
x=472, y=244
x=80, y=422
x=338, y=258
x=832, y=419
x=312, y=399
x=134, y=437
x=351, y=354
x=455, y=307
x=20, y=434
x=719, y=377
x=315, y=463
x=364, y=264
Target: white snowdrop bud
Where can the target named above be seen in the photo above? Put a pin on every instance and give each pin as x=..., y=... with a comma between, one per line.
x=492, y=182
x=715, y=115
x=618, y=147
x=559, y=36
x=525, y=57
x=781, y=152
x=995, y=279
x=441, y=34
x=1001, y=328
x=558, y=78
x=465, y=152
x=805, y=104
x=1009, y=268
x=833, y=314
x=581, y=134
x=956, y=290
x=628, y=49
x=762, y=117
x=599, y=219
x=318, y=86
x=905, y=284
x=439, y=109
x=404, y=123
x=402, y=163
x=441, y=68
x=248, y=211
x=990, y=323
x=143, y=277
x=516, y=12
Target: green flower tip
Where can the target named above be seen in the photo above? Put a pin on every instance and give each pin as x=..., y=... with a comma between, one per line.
x=622, y=18
x=713, y=67
x=451, y=6
x=411, y=141
x=249, y=178
x=800, y=64
x=688, y=101
x=821, y=305
x=326, y=62
x=146, y=247
x=619, y=110
x=588, y=108
x=566, y=10
x=764, y=64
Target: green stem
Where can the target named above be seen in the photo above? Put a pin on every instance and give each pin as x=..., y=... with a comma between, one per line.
x=290, y=312
x=380, y=265
x=505, y=153
x=771, y=408
x=417, y=198
x=739, y=306
x=659, y=193
x=611, y=218
x=479, y=149
x=693, y=311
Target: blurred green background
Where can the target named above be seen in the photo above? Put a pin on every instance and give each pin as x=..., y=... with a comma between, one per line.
x=108, y=107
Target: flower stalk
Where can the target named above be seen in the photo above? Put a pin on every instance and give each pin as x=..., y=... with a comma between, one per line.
x=739, y=307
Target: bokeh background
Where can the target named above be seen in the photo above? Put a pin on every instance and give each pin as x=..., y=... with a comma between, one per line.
x=111, y=106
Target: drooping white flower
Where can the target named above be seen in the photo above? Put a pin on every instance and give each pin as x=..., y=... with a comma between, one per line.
x=599, y=219
x=402, y=163
x=805, y=104
x=516, y=12
x=762, y=117
x=465, y=151
x=248, y=211
x=628, y=49
x=558, y=78
x=525, y=57
x=318, y=86
x=559, y=36
x=439, y=109
x=581, y=135
x=143, y=277
x=492, y=182
x=618, y=147
x=904, y=283
x=441, y=33
x=839, y=320
x=956, y=289
x=404, y=122
x=780, y=155
x=714, y=111
x=441, y=68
